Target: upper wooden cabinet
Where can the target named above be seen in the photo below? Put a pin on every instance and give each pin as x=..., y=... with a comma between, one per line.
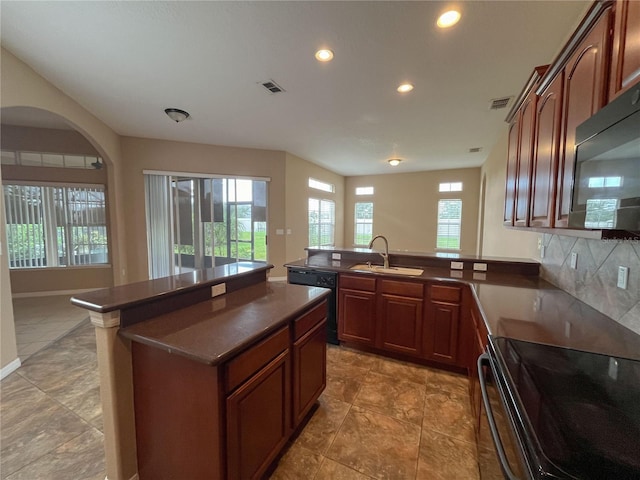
x=543, y=120
x=625, y=53
x=585, y=82
x=545, y=157
x=520, y=155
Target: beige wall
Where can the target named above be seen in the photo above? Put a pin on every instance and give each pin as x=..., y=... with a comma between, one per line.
x=405, y=207
x=498, y=240
x=298, y=192
x=8, y=349
x=49, y=140
x=144, y=154
x=21, y=86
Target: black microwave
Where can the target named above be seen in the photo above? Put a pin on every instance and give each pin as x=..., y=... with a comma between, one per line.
x=606, y=186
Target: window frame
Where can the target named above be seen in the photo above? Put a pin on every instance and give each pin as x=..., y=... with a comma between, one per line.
x=57, y=209
x=319, y=224
x=440, y=223
x=356, y=223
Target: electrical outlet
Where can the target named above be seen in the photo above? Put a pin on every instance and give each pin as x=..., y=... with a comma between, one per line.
x=623, y=277
x=457, y=265
x=336, y=256
x=219, y=289
x=574, y=260
x=480, y=267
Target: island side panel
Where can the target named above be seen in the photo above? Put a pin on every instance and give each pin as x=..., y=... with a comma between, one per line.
x=116, y=396
x=179, y=423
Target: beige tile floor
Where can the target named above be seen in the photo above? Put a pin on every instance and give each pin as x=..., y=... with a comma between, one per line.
x=41, y=320
x=377, y=419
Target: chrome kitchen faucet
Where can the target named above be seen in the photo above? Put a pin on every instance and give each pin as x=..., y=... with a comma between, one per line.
x=385, y=255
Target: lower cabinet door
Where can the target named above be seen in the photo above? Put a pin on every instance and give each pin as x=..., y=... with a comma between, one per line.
x=441, y=336
x=356, y=316
x=309, y=370
x=400, y=324
x=259, y=420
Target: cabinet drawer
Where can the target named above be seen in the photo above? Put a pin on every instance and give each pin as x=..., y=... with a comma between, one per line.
x=249, y=362
x=445, y=293
x=405, y=289
x=368, y=284
x=306, y=322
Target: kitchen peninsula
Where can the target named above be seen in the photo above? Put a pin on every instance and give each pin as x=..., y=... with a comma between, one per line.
x=206, y=374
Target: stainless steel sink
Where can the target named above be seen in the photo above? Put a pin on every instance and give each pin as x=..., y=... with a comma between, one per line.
x=365, y=267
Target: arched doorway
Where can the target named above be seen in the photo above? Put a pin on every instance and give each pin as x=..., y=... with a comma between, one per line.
x=55, y=225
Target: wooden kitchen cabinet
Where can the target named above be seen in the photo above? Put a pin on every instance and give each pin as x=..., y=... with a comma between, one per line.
x=520, y=155
x=400, y=317
x=228, y=420
x=512, y=171
x=625, y=53
x=442, y=323
x=584, y=93
x=525, y=157
x=309, y=367
x=357, y=309
x=258, y=420
x=546, y=152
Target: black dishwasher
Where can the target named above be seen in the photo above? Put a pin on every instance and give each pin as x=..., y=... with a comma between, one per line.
x=319, y=278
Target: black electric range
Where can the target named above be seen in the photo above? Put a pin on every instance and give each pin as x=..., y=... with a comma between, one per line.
x=576, y=414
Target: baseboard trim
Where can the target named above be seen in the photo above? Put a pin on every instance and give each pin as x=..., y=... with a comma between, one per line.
x=135, y=477
x=51, y=293
x=277, y=279
x=10, y=368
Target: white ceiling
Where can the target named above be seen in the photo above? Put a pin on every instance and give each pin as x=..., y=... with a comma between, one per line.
x=128, y=61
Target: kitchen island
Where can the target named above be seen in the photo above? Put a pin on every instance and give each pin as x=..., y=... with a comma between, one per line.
x=206, y=374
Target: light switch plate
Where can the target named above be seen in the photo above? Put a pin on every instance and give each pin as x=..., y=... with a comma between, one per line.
x=480, y=267
x=457, y=265
x=623, y=277
x=574, y=260
x=336, y=256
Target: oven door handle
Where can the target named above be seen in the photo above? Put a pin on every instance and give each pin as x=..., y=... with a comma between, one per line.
x=504, y=462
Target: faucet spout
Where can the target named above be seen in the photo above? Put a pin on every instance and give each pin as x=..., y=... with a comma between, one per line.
x=385, y=254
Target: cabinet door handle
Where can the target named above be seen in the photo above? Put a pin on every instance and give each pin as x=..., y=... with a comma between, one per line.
x=504, y=462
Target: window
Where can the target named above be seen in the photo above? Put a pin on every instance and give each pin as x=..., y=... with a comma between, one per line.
x=600, y=213
x=449, y=224
x=321, y=222
x=318, y=185
x=43, y=159
x=450, y=187
x=363, y=232
x=55, y=226
x=200, y=222
x=364, y=190
x=605, y=182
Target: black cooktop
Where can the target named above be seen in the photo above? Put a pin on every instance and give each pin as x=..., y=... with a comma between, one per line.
x=581, y=410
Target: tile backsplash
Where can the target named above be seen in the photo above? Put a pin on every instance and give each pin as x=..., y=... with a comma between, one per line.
x=594, y=279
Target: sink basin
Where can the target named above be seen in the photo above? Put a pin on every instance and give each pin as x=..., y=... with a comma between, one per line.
x=363, y=267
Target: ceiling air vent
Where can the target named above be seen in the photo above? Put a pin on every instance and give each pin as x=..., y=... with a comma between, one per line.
x=498, y=103
x=272, y=87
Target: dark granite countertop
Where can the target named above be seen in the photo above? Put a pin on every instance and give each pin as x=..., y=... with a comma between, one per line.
x=523, y=307
x=216, y=330
x=124, y=296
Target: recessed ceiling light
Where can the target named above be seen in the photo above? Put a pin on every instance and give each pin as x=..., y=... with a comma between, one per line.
x=324, y=55
x=448, y=19
x=394, y=162
x=405, y=87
